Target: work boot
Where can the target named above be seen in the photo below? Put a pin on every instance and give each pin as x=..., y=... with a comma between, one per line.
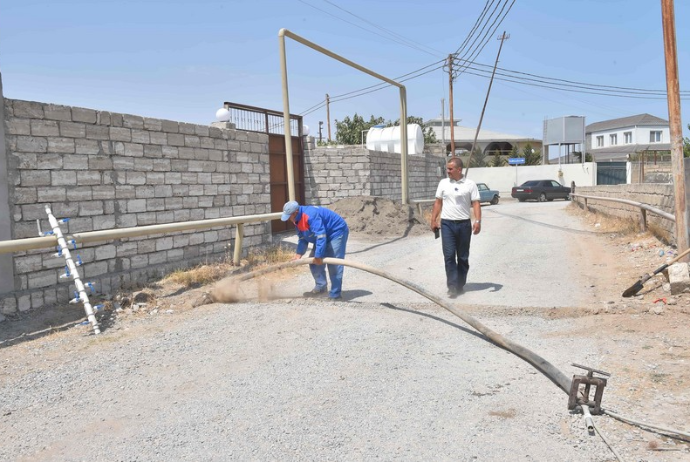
x=315, y=292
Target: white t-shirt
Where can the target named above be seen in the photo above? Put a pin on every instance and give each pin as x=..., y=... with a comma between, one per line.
x=457, y=198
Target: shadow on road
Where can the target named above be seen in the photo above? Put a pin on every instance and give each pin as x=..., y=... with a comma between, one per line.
x=477, y=286
x=436, y=318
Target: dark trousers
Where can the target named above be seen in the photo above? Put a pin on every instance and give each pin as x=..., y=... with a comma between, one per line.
x=455, y=239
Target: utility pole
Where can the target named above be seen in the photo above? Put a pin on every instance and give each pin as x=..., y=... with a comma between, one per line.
x=450, y=104
x=502, y=38
x=443, y=124
x=676, y=127
x=328, y=115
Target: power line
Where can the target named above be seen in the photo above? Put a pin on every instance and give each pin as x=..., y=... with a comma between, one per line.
x=367, y=30
x=383, y=28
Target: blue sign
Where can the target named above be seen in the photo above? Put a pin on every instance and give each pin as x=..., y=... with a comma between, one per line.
x=516, y=160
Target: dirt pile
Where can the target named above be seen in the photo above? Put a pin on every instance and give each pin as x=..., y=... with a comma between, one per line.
x=381, y=217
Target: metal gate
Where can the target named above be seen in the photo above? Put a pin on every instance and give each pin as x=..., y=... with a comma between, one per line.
x=611, y=173
x=256, y=119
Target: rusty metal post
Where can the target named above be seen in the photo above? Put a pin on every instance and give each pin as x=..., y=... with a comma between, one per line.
x=643, y=220
x=675, y=125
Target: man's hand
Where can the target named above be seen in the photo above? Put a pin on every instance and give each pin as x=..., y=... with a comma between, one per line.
x=318, y=261
x=296, y=256
x=476, y=227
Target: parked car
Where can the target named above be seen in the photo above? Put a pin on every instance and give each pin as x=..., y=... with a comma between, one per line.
x=487, y=194
x=541, y=190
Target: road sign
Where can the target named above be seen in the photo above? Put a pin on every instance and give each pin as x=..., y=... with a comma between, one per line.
x=516, y=160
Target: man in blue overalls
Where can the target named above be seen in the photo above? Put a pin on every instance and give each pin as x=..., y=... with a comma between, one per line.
x=328, y=233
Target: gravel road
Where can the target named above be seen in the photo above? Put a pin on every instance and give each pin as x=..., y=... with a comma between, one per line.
x=384, y=375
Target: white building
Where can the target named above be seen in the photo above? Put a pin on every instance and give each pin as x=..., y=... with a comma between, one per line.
x=622, y=139
x=487, y=141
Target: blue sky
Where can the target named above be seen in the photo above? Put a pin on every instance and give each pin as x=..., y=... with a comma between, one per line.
x=181, y=59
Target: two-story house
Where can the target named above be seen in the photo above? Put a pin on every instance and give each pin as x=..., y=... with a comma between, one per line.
x=619, y=140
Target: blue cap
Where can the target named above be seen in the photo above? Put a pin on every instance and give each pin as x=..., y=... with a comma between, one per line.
x=289, y=208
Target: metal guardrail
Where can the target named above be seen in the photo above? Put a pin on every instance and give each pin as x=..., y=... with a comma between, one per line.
x=644, y=208
x=18, y=245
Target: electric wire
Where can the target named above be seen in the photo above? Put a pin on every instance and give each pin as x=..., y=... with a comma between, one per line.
x=565, y=83
x=667, y=431
x=601, y=435
x=436, y=52
x=487, y=35
x=365, y=29
x=476, y=24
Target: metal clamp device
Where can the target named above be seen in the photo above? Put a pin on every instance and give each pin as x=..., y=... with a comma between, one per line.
x=577, y=397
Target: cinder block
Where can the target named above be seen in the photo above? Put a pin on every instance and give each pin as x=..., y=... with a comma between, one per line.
x=52, y=194
x=34, y=178
x=103, y=222
x=97, y=132
x=678, y=277
x=88, y=178
x=44, y=128
x=83, y=115
x=18, y=127
x=31, y=144
x=63, y=178
x=38, y=279
x=80, y=193
x=120, y=134
x=133, y=121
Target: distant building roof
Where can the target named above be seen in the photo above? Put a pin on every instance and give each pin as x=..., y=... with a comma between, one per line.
x=467, y=133
x=621, y=152
x=631, y=121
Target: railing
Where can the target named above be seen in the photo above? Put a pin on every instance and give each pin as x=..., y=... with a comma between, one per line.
x=644, y=208
x=256, y=119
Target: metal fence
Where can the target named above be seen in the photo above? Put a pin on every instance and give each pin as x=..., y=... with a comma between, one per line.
x=255, y=119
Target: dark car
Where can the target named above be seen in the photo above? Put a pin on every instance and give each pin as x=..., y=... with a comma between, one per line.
x=541, y=190
x=487, y=194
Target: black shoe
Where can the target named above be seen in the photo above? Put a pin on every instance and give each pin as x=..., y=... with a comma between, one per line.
x=339, y=298
x=315, y=293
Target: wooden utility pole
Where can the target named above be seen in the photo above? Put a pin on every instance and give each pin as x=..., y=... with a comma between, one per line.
x=328, y=115
x=450, y=104
x=675, y=125
x=502, y=38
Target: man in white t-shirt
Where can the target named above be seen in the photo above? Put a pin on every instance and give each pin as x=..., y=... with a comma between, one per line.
x=456, y=197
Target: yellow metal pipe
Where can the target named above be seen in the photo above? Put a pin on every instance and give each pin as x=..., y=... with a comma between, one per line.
x=18, y=245
x=239, y=237
x=286, y=107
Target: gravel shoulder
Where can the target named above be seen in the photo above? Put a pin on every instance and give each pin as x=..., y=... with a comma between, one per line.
x=385, y=374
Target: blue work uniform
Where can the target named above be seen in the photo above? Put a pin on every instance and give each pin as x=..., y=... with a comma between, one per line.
x=328, y=233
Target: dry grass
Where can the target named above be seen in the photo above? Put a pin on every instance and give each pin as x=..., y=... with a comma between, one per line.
x=199, y=275
x=270, y=256
x=605, y=223
x=208, y=273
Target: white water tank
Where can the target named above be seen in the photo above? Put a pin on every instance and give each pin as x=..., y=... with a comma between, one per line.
x=388, y=139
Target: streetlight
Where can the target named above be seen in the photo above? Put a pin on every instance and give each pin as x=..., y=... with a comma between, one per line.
x=223, y=115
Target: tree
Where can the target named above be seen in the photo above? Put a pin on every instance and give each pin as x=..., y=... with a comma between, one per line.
x=429, y=135
x=532, y=156
x=686, y=145
x=478, y=158
x=349, y=131
x=497, y=161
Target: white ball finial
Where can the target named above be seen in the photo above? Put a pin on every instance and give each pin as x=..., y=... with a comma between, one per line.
x=222, y=115
x=305, y=130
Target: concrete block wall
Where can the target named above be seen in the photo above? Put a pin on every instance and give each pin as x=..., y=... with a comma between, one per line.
x=660, y=196
x=106, y=170
x=335, y=173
